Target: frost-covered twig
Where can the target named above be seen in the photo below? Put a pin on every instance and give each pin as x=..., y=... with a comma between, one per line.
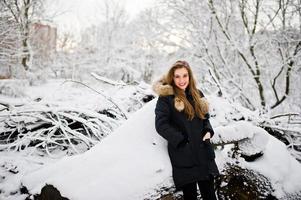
x=9, y=105
x=123, y=113
x=216, y=82
x=106, y=80
x=285, y=115
x=55, y=128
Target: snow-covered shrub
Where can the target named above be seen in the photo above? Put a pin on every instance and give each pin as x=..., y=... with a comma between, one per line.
x=288, y=132
x=13, y=87
x=130, y=96
x=135, y=96
x=53, y=128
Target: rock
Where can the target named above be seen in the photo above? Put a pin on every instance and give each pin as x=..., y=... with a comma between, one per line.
x=148, y=98
x=49, y=192
x=236, y=183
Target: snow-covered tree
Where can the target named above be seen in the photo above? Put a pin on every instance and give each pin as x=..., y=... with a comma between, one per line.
x=257, y=42
x=123, y=50
x=21, y=14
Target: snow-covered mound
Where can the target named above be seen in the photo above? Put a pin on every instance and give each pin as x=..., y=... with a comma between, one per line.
x=133, y=160
x=125, y=165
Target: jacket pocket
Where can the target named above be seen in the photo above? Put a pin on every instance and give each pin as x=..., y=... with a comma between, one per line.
x=211, y=153
x=207, y=150
x=181, y=156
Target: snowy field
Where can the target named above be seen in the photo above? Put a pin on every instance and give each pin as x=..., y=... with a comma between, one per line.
x=57, y=94
x=133, y=159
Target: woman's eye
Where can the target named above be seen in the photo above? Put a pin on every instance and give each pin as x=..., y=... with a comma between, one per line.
x=184, y=76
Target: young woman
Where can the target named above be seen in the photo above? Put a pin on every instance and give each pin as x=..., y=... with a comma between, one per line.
x=182, y=119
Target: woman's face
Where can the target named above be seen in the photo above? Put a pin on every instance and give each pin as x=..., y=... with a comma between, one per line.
x=181, y=78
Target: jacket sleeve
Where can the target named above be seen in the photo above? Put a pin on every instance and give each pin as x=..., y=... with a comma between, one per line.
x=162, y=123
x=207, y=125
x=207, y=128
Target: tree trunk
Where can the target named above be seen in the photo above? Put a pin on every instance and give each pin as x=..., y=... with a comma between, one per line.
x=25, y=35
x=26, y=54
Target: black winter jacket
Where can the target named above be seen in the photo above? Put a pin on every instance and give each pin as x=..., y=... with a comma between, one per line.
x=192, y=159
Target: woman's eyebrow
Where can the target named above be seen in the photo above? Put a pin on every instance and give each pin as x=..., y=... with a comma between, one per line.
x=180, y=74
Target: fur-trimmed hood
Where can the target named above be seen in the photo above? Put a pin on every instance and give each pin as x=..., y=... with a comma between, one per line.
x=161, y=88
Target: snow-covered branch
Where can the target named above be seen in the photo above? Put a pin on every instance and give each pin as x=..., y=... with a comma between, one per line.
x=53, y=128
x=250, y=140
x=108, y=81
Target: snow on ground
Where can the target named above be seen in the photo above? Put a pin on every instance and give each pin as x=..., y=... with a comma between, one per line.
x=13, y=166
x=89, y=95
x=283, y=170
x=70, y=93
x=133, y=161
x=55, y=93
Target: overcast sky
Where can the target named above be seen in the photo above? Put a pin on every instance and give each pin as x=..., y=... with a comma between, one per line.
x=73, y=15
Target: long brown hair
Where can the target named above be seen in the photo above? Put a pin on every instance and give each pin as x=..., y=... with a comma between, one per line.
x=189, y=110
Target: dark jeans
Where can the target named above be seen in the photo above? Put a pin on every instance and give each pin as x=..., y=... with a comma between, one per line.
x=206, y=188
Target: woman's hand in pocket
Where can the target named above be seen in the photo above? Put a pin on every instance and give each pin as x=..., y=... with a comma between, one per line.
x=206, y=136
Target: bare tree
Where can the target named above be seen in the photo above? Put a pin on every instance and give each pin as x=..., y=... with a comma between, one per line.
x=22, y=14
x=8, y=45
x=123, y=49
x=237, y=40
x=288, y=44
x=288, y=48
x=112, y=21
